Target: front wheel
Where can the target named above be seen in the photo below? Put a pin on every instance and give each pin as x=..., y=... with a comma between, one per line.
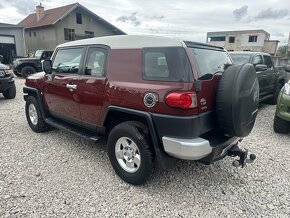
x=34, y=117
x=276, y=94
x=129, y=152
x=281, y=126
x=10, y=93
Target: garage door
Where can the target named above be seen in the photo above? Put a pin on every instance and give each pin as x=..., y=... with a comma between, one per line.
x=7, y=39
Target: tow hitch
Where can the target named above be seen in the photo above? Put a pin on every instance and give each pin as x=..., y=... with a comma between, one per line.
x=243, y=156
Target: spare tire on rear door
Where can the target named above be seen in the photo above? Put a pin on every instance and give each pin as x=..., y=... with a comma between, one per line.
x=237, y=100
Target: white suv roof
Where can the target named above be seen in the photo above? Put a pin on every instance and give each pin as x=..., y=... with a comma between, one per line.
x=128, y=41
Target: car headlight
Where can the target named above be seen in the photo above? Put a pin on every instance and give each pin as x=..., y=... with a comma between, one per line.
x=6, y=72
x=287, y=89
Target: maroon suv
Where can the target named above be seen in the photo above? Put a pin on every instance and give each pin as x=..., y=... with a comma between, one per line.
x=152, y=98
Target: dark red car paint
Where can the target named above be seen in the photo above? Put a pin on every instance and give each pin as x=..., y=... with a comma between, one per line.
x=123, y=86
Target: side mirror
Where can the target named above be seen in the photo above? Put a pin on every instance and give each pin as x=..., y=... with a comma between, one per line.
x=1, y=58
x=287, y=68
x=46, y=66
x=261, y=67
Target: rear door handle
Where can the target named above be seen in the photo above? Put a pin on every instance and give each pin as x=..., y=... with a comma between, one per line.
x=71, y=87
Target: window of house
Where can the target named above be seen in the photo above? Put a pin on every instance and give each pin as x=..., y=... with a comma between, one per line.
x=95, y=64
x=246, y=49
x=268, y=61
x=67, y=60
x=253, y=38
x=79, y=18
x=231, y=39
x=258, y=60
x=29, y=34
x=34, y=34
x=230, y=50
x=218, y=39
x=69, y=34
x=89, y=34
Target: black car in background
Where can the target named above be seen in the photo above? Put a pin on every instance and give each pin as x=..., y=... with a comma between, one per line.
x=271, y=78
x=7, y=85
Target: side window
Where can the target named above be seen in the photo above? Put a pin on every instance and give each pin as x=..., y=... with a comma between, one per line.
x=166, y=64
x=268, y=61
x=67, y=60
x=156, y=65
x=95, y=63
x=258, y=60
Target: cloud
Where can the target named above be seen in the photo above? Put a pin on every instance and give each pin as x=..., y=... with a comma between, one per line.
x=1, y=6
x=240, y=12
x=156, y=17
x=131, y=19
x=272, y=14
x=24, y=7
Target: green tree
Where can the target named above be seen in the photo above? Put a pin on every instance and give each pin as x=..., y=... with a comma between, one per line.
x=282, y=51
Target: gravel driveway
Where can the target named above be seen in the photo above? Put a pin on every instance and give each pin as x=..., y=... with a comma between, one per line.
x=56, y=174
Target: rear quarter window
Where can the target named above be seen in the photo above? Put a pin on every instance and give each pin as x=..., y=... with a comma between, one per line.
x=166, y=64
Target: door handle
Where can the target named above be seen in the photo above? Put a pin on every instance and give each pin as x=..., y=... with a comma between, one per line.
x=71, y=87
x=264, y=75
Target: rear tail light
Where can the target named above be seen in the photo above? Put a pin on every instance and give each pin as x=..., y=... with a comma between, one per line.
x=184, y=100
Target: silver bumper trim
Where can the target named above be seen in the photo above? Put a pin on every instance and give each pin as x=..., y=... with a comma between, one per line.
x=188, y=149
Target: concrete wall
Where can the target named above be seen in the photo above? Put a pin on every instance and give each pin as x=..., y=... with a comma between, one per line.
x=242, y=40
x=17, y=33
x=45, y=38
x=49, y=37
x=270, y=47
x=89, y=23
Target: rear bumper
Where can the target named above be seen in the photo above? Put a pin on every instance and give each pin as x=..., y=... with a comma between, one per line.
x=189, y=149
x=198, y=148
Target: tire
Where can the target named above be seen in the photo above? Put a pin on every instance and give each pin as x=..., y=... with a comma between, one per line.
x=280, y=125
x=237, y=100
x=128, y=142
x=17, y=74
x=34, y=116
x=27, y=71
x=274, y=99
x=10, y=93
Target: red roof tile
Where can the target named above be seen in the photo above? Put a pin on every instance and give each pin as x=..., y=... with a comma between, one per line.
x=50, y=17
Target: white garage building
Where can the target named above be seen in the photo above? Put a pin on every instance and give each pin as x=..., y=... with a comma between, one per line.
x=11, y=42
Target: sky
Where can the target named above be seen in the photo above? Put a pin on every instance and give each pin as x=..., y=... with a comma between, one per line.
x=187, y=19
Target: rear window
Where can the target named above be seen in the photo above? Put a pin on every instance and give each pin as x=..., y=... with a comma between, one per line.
x=210, y=61
x=166, y=64
x=240, y=58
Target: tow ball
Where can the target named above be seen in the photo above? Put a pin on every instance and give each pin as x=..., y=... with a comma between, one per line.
x=243, y=156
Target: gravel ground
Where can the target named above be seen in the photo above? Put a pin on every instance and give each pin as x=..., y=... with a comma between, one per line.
x=56, y=174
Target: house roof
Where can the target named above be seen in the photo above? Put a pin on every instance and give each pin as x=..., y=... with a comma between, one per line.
x=237, y=31
x=7, y=25
x=51, y=16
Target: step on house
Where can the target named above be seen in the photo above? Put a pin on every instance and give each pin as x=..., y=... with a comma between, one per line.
x=46, y=29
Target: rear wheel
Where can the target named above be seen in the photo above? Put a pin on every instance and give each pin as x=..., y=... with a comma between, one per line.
x=10, y=93
x=17, y=74
x=129, y=152
x=280, y=125
x=27, y=71
x=34, y=117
